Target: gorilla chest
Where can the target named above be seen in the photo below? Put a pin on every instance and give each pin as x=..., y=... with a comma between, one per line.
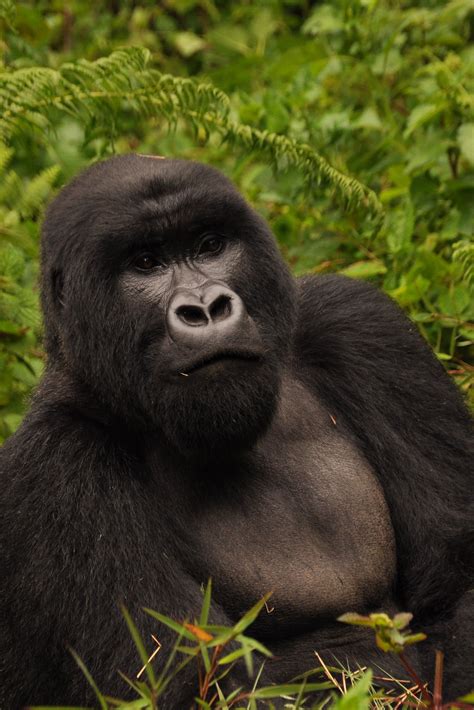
x=303, y=518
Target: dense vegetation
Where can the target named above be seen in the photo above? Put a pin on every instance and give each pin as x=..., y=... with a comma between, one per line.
x=292, y=99
x=349, y=124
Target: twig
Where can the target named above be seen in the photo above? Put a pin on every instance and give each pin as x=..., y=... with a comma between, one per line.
x=407, y=704
x=158, y=646
x=415, y=677
x=328, y=672
x=453, y=156
x=210, y=673
x=404, y=696
x=438, y=681
x=268, y=609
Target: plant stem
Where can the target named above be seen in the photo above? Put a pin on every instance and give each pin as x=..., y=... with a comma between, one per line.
x=415, y=677
x=438, y=681
x=210, y=674
x=453, y=156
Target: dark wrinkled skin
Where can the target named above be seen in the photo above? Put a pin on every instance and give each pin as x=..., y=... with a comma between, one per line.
x=213, y=417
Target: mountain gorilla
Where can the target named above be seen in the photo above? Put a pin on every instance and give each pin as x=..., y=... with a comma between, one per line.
x=203, y=414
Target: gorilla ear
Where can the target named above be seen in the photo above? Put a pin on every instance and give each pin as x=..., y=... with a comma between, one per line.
x=57, y=285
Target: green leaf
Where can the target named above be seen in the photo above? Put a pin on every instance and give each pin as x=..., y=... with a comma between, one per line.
x=138, y=641
x=454, y=302
x=230, y=657
x=250, y=616
x=90, y=679
x=189, y=650
x=369, y=118
x=465, y=140
x=12, y=421
x=170, y=623
x=420, y=115
x=187, y=43
x=9, y=328
x=413, y=638
x=399, y=225
x=402, y=619
x=255, y=645
x=423, y=317
x=467, y=332
x=324, y=20
x=357, y=697
x=206, y=605
x=276, y=691
x=355, y=619
x=365, y=269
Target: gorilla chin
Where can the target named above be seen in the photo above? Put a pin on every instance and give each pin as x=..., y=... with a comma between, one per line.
x=217, y=403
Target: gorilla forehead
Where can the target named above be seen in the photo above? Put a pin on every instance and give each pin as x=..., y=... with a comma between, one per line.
x=138, y=196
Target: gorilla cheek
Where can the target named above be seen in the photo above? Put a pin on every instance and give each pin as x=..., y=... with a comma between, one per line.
x=103, y=347
x=276, y=316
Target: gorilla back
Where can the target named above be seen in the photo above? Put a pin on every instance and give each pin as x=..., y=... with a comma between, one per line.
x=205, y=415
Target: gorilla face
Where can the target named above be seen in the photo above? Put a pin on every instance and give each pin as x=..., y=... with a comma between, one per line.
x=165, y=297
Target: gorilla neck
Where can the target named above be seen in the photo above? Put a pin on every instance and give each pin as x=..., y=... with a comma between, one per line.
x=180, y=434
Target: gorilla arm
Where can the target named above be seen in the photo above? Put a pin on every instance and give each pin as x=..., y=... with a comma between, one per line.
x=86, y=540
x=377, y=375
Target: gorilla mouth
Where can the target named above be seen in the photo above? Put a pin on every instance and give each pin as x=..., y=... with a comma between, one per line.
x=230, y=355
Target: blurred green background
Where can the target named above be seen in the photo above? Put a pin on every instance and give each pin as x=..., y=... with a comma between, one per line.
x=280, y=91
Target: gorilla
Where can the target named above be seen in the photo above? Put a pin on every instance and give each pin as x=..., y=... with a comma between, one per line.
x=203, y=414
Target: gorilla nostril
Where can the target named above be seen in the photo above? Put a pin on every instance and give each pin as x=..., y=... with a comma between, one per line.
x=221, y=308
x=192, y=315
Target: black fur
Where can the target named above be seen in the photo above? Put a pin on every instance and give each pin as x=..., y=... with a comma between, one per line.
x=139, y=472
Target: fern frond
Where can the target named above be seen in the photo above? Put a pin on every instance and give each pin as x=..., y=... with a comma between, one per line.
x=7, y=11
x=96, y=92
x=27, y=197
x=37, y=192
x=11, y=188
x=5, y=157
x=283, y=151
x=19, y=305
x=463, y=253
x=12, y=264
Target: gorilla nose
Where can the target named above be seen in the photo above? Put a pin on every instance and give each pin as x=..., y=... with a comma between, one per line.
x=197, y=314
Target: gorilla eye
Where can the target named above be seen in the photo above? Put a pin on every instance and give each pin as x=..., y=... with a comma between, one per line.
x=145, y=262
x=211, y=245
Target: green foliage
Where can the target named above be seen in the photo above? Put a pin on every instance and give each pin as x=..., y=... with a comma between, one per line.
x=291, y=102
x=205, y=647
x=21, y=359
x=385, y=92
x=94, y=92
x=391, y=635
x=463, y=252
x=97, y=93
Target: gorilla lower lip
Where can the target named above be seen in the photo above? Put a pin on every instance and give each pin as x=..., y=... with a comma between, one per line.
x=217, y=358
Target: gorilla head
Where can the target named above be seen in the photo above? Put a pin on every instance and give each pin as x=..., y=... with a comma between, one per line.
x=166, y=301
